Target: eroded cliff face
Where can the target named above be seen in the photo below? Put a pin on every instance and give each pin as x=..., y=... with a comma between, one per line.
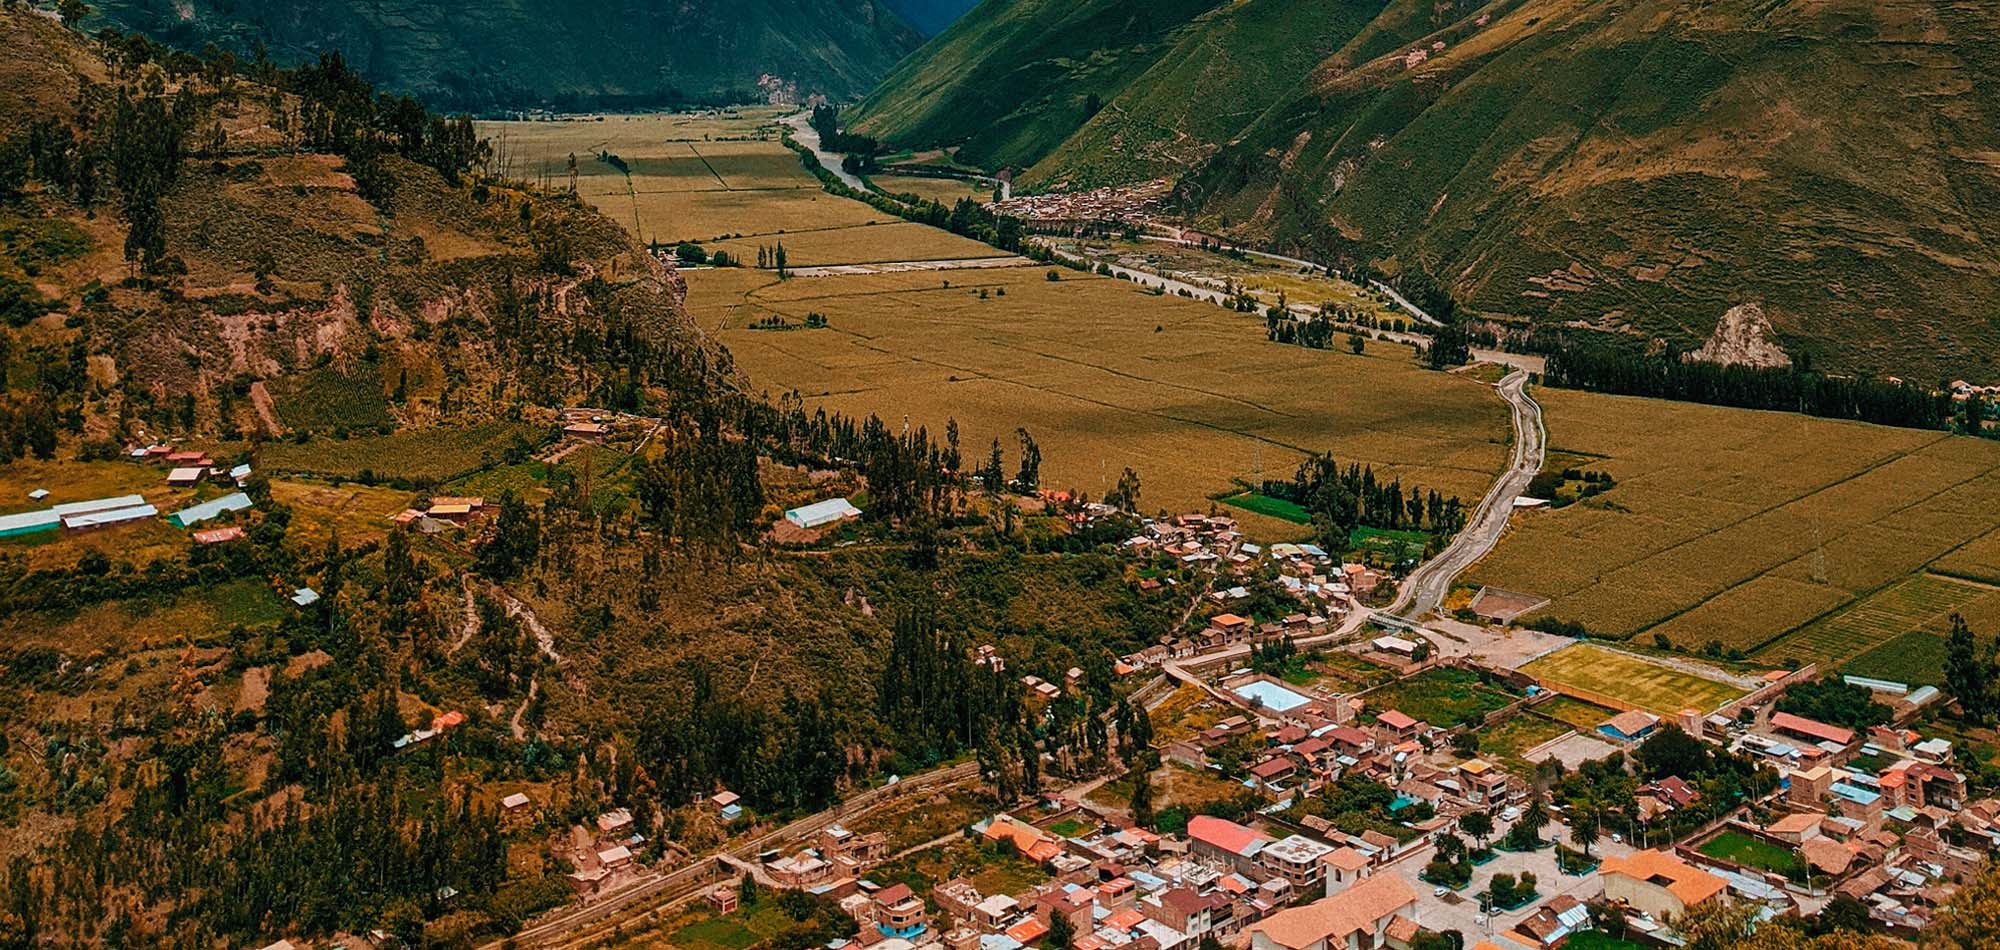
x=1743, y=337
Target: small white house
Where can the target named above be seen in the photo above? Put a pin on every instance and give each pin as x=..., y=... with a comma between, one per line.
x=823, y=513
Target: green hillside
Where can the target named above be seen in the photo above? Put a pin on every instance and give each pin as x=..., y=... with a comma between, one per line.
x=1639, y=167
x=1612, y=164
x=1013, y=78
x=520, y=53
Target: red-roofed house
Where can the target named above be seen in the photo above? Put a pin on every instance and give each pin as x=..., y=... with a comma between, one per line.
x=1398, y=724
x=1225, y=840
x=1360, y=918
x=1812, y=730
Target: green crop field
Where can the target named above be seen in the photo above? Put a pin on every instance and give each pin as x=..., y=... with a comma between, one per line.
x=1269, y=507
x=1921, y=603
x=1575, y=712
x=1740, y=527
x=326, y=398
x=1507, y=740
x=1650, y=685
x=1444, y=696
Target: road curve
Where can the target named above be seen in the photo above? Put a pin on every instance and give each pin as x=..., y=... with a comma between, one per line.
x=1427, y=586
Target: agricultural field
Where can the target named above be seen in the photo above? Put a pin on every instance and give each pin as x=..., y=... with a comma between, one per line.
x=1443, y=696
x=723, y=181
x=948, y=191
x=1921, y=604
x=893, y=240
x=1507, y=740
x=1269, y=507
x=1653, y=686
x=145, y=623
x=1262, y=278
x=328, y=399
x=1187, y=394
x=419, y=455
x=1575, y=712
x=1740, y=527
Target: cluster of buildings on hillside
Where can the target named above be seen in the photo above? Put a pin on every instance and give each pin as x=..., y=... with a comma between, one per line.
x=442, y=512
x=1122, y=204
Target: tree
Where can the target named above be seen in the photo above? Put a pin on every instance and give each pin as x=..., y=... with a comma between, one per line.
x=1030, y=476
x=72, y=11
x=1465, y=741
x=1970, y=918
x=1356, y=343
x=1142, y=797
x=1672, y=752
x=778, y=261
x=746, y=891
x=1478, y=824
x=1967, y=677
x=1124, y=496
x=1585, y=824
x=1062, y=934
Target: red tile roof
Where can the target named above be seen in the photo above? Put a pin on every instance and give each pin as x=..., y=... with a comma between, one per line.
x=1223, y=834
x=1813, y=728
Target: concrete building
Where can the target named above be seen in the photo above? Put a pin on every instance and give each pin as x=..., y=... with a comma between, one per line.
x=1658, y=884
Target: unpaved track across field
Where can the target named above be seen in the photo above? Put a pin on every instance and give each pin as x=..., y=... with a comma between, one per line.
x=1429, y=584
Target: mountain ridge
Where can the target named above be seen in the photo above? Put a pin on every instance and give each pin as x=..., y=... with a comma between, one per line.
x=1640, y=169
x=516, y=54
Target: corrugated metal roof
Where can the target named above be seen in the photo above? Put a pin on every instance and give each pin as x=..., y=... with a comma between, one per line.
x=101, y=504
x=29, y=521
x=96, y=519
x=196, y=514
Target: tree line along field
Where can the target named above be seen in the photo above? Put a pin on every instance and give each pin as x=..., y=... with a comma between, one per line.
x=1757, y=531
x=1105, y=376
x=724, y=181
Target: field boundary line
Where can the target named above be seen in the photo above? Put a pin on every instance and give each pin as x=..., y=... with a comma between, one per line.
x=1897, y=457
x=711, y=168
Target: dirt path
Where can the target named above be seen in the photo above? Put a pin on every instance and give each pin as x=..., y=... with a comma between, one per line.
x=470, y=628
x=260, y=397
x=521, y=731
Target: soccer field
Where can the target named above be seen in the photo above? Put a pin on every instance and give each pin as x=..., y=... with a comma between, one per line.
x=1652, y=686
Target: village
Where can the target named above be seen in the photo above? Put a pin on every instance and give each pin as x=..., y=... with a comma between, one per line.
x=1354, y=823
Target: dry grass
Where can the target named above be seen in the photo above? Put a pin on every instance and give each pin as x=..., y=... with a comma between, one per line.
x=1105, y=376
x=946, y=190
x=867, y=244
x=1740, y=526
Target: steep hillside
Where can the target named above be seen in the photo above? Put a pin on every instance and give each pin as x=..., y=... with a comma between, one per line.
x=931, y=17
x=196, y=257
x=1013, y=78
x=1648, y=168
x=1638, y=167
x=519, y=53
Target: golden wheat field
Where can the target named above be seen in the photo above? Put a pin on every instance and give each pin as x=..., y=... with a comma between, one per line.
x=1739, y=527
x=1104, y=376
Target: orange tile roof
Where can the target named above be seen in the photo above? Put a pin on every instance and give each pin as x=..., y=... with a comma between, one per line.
x=1813, y=728
x=1689, y=884
x=1028, y=931
x=1353, y=911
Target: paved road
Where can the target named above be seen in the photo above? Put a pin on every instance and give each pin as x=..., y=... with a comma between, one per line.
x=806, y=135
x=1428, y=585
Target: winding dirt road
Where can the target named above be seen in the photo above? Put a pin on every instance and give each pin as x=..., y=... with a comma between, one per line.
x=1429, y=584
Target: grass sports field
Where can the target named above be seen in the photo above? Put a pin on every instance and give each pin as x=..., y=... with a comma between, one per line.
x=1742, y=527
x=1753, y=852
x=1652, y=686
x=1104, y=376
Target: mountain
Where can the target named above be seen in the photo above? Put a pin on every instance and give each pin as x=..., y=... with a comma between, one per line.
x=931, y=17
x=523, y=53
x=227, y=273
x=1639, y=167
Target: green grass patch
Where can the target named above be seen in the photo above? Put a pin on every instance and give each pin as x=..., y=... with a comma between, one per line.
x=1068, y=828
x=1732, y=845
x=1445, y=696
x=1594, y=940
x=722, y=932
x=1269, y=507
x=248, y=601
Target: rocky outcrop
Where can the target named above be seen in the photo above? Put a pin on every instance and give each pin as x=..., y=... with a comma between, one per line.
x=1743, y=337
